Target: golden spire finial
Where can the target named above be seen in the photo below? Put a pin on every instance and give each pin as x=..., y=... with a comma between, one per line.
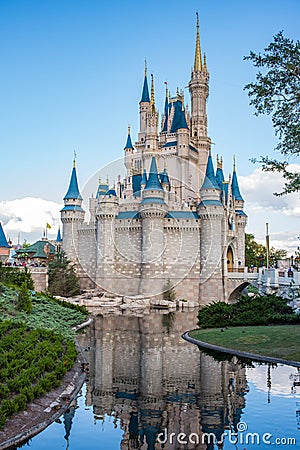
x=234, y=163
x=74, y=160
x=198, y=57
x=145, y=70
x=152, y=101
x=204, y=64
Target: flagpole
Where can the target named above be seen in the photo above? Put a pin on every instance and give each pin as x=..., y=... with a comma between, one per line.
x=267, y=243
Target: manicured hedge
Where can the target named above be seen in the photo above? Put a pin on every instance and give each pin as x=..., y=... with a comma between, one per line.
x=257, y=310
x=32, y=362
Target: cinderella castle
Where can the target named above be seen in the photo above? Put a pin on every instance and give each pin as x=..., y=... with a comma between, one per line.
x=173, y=219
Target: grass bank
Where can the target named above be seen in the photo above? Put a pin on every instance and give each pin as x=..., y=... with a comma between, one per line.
x=37, y=348
x=277, y=341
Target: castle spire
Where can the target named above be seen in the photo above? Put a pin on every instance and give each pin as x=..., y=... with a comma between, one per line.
x=73, y=191
x=152, y=101
x=153, y=181
x=165, y=126
x=145, y=92
x=128, y=144
x=235, y=185
x=198, y=57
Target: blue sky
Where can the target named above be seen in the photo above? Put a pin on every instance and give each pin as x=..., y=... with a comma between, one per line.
x=71, y=77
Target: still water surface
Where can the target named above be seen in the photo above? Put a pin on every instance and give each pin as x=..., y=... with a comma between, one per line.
x=147, y=385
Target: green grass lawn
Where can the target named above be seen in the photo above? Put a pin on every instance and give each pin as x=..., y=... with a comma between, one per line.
x=278, y=341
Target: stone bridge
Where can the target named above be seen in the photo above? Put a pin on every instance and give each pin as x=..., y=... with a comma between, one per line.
x=285, y=283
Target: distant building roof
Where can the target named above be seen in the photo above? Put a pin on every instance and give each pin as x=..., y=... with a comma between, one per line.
x=3, y=241
x=40, y=249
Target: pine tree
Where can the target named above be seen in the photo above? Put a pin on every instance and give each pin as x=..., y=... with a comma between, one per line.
x=24, y=299
x=62, y=277
x=169, y=292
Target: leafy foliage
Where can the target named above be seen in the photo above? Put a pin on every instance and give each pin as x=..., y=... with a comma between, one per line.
x=256, y=254
x=32, y=362
x=62, y=277
x=258, y=310
x=15, y=276
x=277, y=93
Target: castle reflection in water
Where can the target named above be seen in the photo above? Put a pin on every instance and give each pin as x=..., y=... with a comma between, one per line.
x=143, y=374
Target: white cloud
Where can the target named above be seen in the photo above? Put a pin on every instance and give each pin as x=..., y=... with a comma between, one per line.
x=29, y=215
x=258, y=190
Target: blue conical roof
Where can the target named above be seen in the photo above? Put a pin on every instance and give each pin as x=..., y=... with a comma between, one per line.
x=235, y=188
x=210, y=181
x=165, y=177
x=58, y=237
x=128, y=142
x=179, y=120
x=165, y=127
x=153, y=180
x=145, y=93
x=144, y=178
x=220, y=177
x=73, y=191
x=3, y=241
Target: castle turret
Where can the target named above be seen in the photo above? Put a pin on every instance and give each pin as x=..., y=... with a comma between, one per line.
x=144, y=107
x=211, y=213
x=72, y=216
x=151, y=138
x=152, y=211
x=106, y=211
x=58, y=241
x=199, y=90
x=128, y=149
x=240, y=218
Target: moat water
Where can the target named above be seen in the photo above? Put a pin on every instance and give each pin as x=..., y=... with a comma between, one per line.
x=150, y=389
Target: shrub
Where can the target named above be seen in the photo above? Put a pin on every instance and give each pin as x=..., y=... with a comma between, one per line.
x=24, y=299
x=258, y=310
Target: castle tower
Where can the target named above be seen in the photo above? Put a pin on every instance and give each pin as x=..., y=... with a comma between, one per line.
x=152, y=211
x=144, y=107
x=128, y=149
x=72, y=216
x=151, y=137
x=106, y=211
x=211, y=213
x=240, y=218
x=199, y=90
x=58, y=241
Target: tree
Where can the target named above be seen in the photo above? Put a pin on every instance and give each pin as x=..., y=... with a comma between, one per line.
x=277, y=93
x=62, y=277
x=256, y=254
x=24, y=299
x=169, y=292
